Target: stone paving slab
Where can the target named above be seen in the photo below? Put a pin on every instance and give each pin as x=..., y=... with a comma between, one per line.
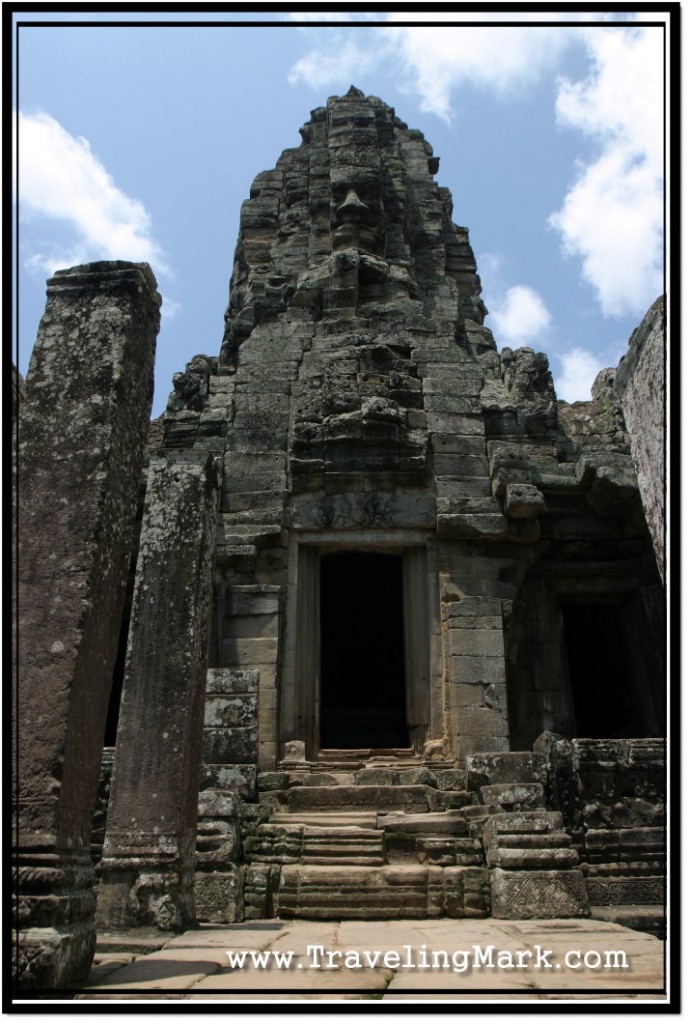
x=129, y=942
x=106, y=963
x=195, y=965
x=232, y=936
x=375, y=980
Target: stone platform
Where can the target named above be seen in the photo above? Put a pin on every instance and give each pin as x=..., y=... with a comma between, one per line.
x=195, y=965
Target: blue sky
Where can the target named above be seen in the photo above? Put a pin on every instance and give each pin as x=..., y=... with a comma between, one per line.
x=142, y=142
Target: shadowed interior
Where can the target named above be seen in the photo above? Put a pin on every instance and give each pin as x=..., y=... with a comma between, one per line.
x=362, y=651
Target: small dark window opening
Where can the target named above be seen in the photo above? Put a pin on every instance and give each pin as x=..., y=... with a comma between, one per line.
x=362, y=694
x=603, y=683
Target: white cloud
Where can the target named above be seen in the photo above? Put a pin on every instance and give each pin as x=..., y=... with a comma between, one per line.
x=60, y=178
x=612, y=217
x=331, y=16
x=341, y=61
x=169, y=308
x=519, y=317
x=432, y=61
x=436, y=60
x=578, y=372
x=47, y=257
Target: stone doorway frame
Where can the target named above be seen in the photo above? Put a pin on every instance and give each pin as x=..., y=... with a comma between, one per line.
x=299, y=697
x=551, y=586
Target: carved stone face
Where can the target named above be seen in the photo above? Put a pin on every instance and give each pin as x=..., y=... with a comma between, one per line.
x=358, y=223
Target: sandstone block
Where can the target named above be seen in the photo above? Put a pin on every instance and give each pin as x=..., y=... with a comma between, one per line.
x=218, y=895
x=247, y=652
x=228, y=680
x=215, y=803
x=475, y=669
x=486, y=769
x=231, y=778
x=229, y=746
x=476, y=642
x=233, y=712
x=538, y=894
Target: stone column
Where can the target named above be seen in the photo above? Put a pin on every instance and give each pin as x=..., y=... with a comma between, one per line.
x=147, y=871
x=83, y=423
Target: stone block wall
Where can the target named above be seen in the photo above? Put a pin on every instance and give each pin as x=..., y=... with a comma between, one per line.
x=359, y=402
x=612, y=794
x=640, y=384
x=474, y=658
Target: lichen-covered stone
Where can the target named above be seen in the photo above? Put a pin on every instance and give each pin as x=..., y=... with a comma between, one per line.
x=83, y=423
x=538, y=894
x=148, y=852
x=640, y=384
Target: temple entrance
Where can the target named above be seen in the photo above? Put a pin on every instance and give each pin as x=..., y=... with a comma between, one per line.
x=604, y=682
x=362, y=652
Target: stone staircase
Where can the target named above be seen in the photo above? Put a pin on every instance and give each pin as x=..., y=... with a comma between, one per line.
x=338, y=841
x=418, y=843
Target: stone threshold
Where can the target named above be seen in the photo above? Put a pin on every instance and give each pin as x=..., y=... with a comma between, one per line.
x=366, y=757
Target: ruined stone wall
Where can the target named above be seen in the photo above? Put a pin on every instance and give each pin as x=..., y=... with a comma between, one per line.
x=641, y=386
x=612, y=794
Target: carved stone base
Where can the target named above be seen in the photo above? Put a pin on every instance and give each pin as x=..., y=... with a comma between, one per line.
x=612, y=891
x=55, y=936
x=146, y=892
x=218, y=895
x=524, y=895
x=53, y=958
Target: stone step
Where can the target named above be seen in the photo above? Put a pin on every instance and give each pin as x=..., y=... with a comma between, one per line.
x=538, y=841
x=528, y=839
x=312, y=844
x=327, y=819
x=525, y=823
x=344, y=773
x=387, y=892
x=332, y=893
x=520, y=796
x=301, y=799
x=434, y=823
x=522, y=859
x=448, y=850
x=436, y=837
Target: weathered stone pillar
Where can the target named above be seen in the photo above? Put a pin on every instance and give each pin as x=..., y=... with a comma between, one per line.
x=147, y=871
x=83, y=423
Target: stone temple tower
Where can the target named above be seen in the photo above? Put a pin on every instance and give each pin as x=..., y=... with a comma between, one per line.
x=424, y=561
x=435, y=680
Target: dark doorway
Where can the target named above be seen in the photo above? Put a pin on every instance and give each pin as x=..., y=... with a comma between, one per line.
x=362, y=701
x=604, y=683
